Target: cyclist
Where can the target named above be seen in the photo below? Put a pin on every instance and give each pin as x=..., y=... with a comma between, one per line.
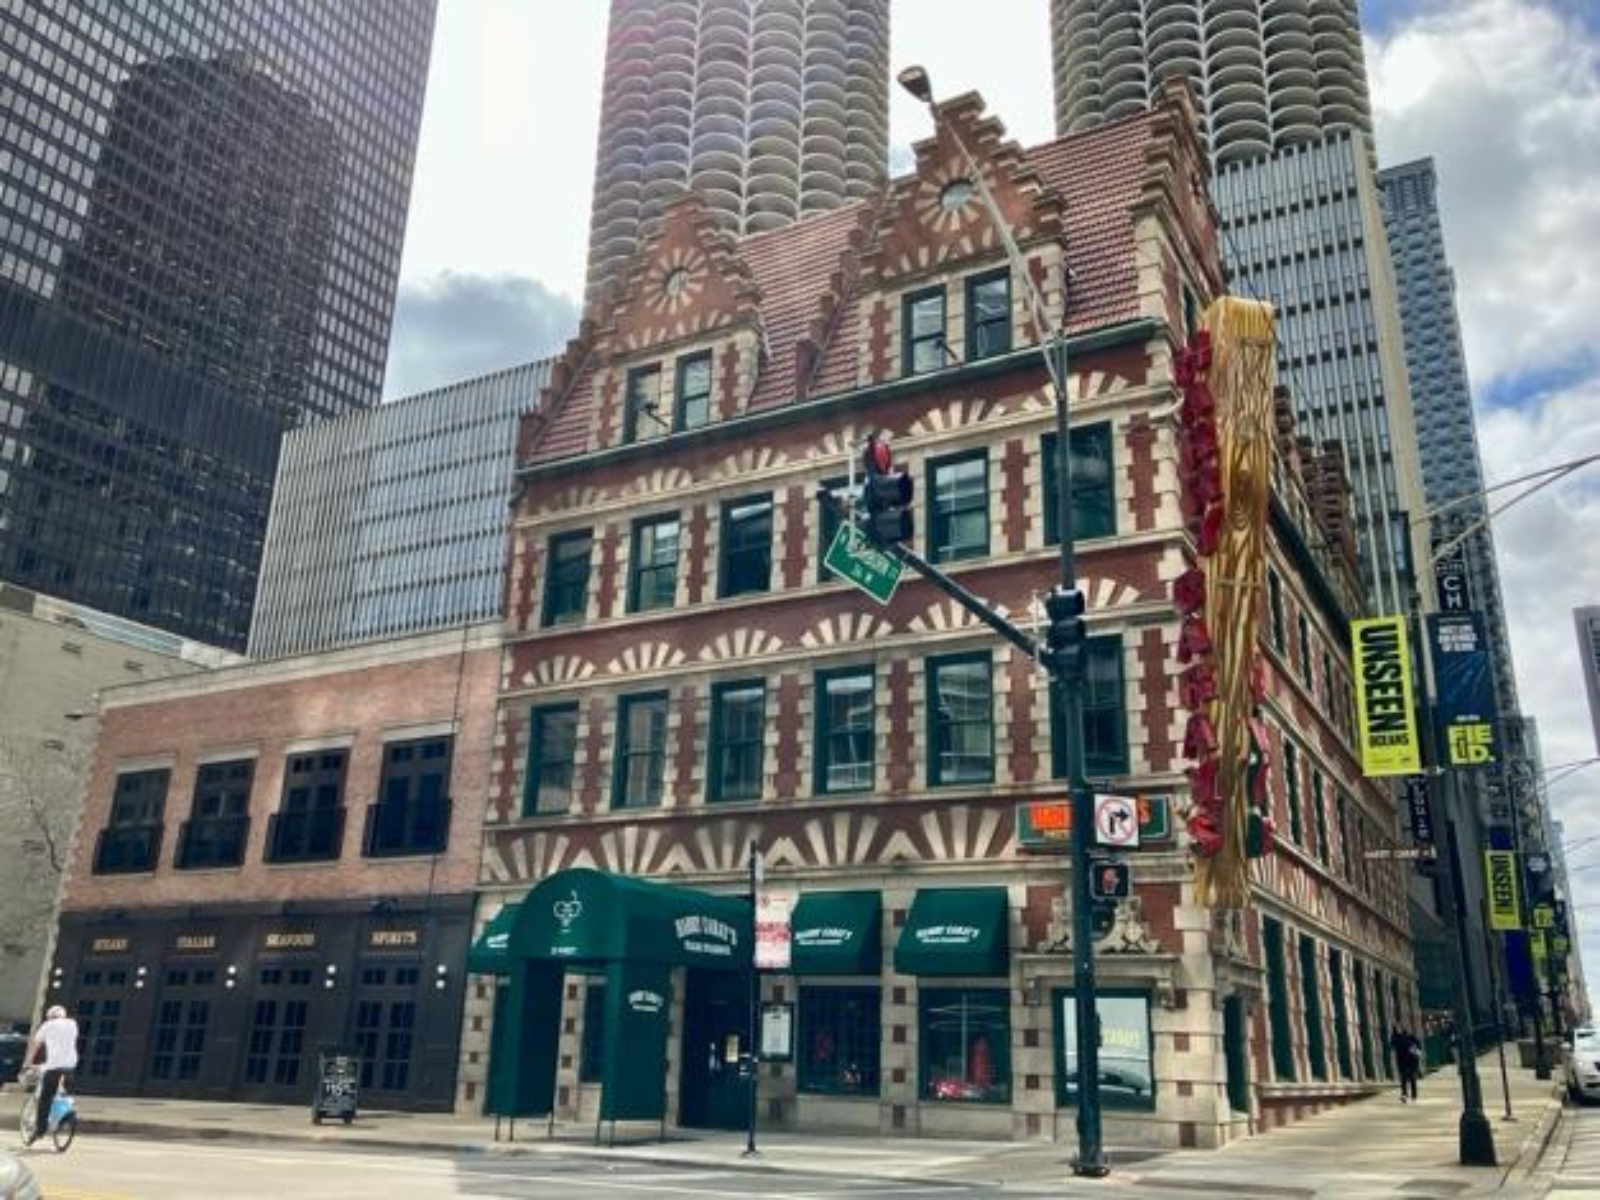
x=58, y=1035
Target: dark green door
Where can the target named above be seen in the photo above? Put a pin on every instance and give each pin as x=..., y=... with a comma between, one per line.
x=715, y=1019
x=1236, y=1049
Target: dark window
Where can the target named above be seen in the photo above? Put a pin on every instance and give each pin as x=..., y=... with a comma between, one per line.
x=383, y=1040
x=828, y=526
x=844, y=748
x=412, y=814
x=1326, y=682
x=1363, y=1019
x=131, y=840
x=923, y=346
x=694, y=392
x=552, y=745
x=653, y=564
x=1319, y=815
x=1311, y=1006
x=1341, y=1015
x=840, y=1035
x=988, y=315
x=1094, y=499
x=641, y=751
x=961, y=719
x=738, y=730
x=1105, y=716
x=1275, y=610
x=965, y=1043
x=1291, y=788
x=214, y=835
x=1127, y=1067
x=746, y=546
x=958, y=508
x=566, y=589
x=641, y=416
x=309, y=824
x=1303, y=658
x=592, y=1046
x=1283, y=1066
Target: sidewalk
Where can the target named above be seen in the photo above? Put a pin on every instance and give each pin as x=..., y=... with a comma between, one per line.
x=1374, y=1147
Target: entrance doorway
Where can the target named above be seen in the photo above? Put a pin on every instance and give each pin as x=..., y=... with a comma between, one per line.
x=715, y=1021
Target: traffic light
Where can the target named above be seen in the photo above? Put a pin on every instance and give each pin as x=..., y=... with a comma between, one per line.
x=1067, y=631
x=887, y=493
x=1109, y=879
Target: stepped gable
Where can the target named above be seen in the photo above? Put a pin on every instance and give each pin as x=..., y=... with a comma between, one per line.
x=916, y=234
x=800, y=287
x=1176, y=174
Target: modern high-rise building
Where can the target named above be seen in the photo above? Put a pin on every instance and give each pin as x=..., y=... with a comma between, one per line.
x=770, y=109
x=1587, y=620
x=1436, y=364
x=1282, y=91
x=204, y=203
x=393, y=521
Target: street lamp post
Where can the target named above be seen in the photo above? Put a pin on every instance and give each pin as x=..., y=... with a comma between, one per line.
x=1064, y=659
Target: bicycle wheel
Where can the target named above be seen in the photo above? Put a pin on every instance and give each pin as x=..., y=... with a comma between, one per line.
x=30, y=1112
x=66, y=1129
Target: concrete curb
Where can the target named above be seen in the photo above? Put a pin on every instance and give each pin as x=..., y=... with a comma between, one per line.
x=1532, y=1154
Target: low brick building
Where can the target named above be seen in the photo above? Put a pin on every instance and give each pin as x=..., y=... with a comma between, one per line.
x=683, y=678
x=277, y=857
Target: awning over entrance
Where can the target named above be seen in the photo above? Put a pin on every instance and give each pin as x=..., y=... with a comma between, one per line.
x=584, y=915
x=954, y=931
x=488, y=954
x=837, y=933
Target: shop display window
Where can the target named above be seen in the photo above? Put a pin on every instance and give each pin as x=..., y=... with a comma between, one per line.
x=840, y=1034
x=965, y=1041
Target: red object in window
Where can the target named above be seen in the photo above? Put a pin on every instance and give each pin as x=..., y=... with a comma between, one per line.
x=980, y=1063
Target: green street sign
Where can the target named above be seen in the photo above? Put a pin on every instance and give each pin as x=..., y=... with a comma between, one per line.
x=854, y=559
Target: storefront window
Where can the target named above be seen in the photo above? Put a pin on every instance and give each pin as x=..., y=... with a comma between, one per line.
x=839, y=1036
x=1127, y=1076
x=966, y=1044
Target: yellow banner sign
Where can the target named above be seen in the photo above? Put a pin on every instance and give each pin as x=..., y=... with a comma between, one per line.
x=1500, y=870
x=1384, y=700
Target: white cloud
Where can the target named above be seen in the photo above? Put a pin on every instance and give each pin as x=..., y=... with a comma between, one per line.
x=1505, y=95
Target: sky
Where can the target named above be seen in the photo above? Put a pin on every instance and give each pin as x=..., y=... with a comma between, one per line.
x=1504, y=94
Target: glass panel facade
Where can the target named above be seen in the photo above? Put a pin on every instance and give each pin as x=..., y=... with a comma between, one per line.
x=961, y=716
x=204, y=210
x=840, y=1034
x=1127, y=1068
x=965, y=1043
x=958, y=505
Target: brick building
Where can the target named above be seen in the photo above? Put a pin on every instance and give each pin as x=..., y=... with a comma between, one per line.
x=278, y=856
x=682, y=678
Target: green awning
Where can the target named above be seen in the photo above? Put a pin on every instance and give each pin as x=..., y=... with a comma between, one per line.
x=837, y=933
x=488, y=954
x=954, y=931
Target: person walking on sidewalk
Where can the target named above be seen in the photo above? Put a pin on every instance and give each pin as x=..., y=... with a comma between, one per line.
x=1407, y=1061
x=58, y=1037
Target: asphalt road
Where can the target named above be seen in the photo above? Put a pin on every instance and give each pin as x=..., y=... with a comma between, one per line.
x=123, y=1168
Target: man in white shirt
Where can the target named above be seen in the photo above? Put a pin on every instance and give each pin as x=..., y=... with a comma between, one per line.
x=59, y=1037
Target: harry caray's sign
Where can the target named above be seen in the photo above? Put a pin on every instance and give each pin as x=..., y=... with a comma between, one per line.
x=1384, y=703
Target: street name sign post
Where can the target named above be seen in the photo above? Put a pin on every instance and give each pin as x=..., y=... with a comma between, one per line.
x=856, y=560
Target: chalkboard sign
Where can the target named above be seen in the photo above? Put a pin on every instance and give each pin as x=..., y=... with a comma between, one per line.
x=338, y=1076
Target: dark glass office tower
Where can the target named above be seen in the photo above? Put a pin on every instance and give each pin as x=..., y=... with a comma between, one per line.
x=202, y=205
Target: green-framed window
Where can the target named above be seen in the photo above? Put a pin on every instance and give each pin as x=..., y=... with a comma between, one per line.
x=641, y=405
x=653, y=563
x=840, y=1040
x=1291, y=792
x=746, y=546
x=1341, y=1015
x=1363, y=1018
x=1127, y=1063
x=1319, y=814
x=988, y=315
x=641, y=751
x=552, y=751
x=1311, y=1007
x=738, y=732
x=1303, y=650
x=923, y=336
x=1094, y=493
x=958, y=507
x=692, y=401
x=1105, y=713
x=828, y=523
x=964, y=1044
x=1276, y=626
x=961, y=719
x=1278, y=1022
x=845, y=730
x=566, y=588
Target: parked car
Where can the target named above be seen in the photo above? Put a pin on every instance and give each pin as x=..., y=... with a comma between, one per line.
x=1583, y=1064
x=16, y=1180
x=13, y=1049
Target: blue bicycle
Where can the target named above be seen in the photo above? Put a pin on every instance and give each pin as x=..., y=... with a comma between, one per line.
x=63, y=1124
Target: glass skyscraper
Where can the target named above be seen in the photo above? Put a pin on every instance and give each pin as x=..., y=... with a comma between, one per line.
x=202, y=204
